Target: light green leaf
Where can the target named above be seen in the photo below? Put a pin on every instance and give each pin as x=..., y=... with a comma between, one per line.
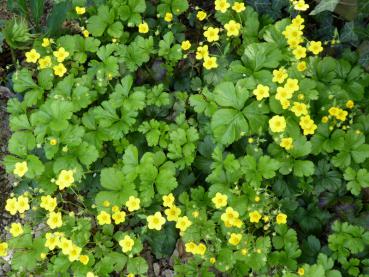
x=227, y=125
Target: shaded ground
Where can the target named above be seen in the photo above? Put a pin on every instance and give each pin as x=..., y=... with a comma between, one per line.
x=5, y=179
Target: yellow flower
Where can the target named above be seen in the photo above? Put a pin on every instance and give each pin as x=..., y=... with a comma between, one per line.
x=53, y=141
x=172, y=213
x=200, y=249
x=212, y=260
x=190, y=247
x=333, y=111
x=294, y=42
x=301, y=66
x=103, y=218
x=221, y=5
x=292, y=32
x=212, y=34
x=185, y=45
x=183, y=223
x=299, y=109
x=300, y=5
x=85, y=33
x=277, y=124
x=279, y=75
x=168, y=200
x=61, y=54
x=220, y=200
x=80, y=10
x=315, y=47
x=106, y=204
x=261, y=92
x=74, y=253
x=235, y=238
x=115, y=209
x=91, y=274
x=307, y=124
x=52, y=241
x=119, y=217
x=350, y=104
x=202, y=52
x=254, y=216
x=32, y=56
x=238, y=7
x=46, y=42
x=20, y=168
x=341, y=115
x=65, y=179
x=143, y=28
x=325, y=119
x=84, y=259
x=298, y=21
x=210, y=63
x=283, y=94
x=281, y=218
x=59, y=70
x=301, y=271
x=54, y=220
x=22, y=204
x=133, y=203
x=201, y=15
x=130, y=275
x=155, y=221
x=168, y=17
x=16, y=229
x=11, y=206
x=230, y=217
x=299, y=52
x=292, y=85
x=3, y=249
x=126, y=243
x=286, y=143
x=48, y=203
x=65, y=245
x=233, y=28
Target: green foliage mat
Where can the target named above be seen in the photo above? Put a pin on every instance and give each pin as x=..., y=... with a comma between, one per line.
x=220, y=133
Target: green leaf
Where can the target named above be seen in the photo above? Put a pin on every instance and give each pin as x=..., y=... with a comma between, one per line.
x=137, y=53
x=131, y=11
x=45, y=78
x=303, y=168
x=176, y=7
x=256, y=116
x=255, y=171
x=358, y=179
x=98, y=23
x=112, y=178
x=35, y=166
x=261, y=55
x=87, y=153
x=325, y=5
x=166, y=50
x=37, y=10
x=137, y=265
x=22, y=81
x=227, y=125
x=21, y=143
x=226, y=95
x=169, y=235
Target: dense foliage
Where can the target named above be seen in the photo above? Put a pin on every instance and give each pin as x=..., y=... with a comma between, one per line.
x=160, y=125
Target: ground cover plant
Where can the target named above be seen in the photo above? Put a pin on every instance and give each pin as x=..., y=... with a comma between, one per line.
x=212, y=131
